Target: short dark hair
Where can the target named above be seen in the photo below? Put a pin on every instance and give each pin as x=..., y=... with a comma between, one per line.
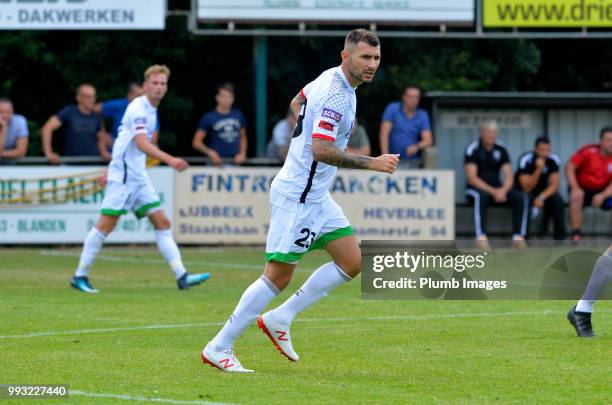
x=542, y=139
x=603, y=131
x=412, y=86
x=360, y=35
x=227, y=86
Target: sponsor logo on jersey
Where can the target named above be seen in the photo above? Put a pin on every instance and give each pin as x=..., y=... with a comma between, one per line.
x=140, y=120
x=336, y=116
x=326, y=125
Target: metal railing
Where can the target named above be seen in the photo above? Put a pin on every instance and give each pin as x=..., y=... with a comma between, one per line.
x=98, y=161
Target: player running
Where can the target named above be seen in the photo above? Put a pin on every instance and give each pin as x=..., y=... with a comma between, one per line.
x=580, y=315
x=303, y=216
x=129, y=187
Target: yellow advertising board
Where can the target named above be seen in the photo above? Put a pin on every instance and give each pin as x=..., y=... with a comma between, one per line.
x=547, y=13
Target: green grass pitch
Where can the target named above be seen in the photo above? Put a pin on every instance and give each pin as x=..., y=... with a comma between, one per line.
x=139, y=340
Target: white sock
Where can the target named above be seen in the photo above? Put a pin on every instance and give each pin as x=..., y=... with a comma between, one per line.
x=322, y=281
x=91, y=247
x=252, y=303
x=585, y=306
x=168, y=248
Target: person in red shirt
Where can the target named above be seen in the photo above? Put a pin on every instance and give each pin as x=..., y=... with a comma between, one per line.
x=589, y=174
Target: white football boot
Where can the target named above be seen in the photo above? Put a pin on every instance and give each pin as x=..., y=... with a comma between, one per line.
x=224, y=360
x=278, y=334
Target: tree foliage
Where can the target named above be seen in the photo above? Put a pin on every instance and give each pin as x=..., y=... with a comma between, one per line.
x=40, y=70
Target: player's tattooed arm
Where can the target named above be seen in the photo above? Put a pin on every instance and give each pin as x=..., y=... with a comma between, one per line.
x=327, y=152
x=296, y=104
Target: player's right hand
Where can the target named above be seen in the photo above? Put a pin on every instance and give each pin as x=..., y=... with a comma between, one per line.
x=385, y=163
x=179, y=164
x=53, y=158
x=215, y=158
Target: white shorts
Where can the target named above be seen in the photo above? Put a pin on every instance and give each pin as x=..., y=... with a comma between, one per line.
x=297, y=228
x=139, y=198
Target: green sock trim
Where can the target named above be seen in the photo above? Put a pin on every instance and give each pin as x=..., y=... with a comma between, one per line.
x=142, y=211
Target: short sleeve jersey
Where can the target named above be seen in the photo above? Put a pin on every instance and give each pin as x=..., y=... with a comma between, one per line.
x=114, y=110
x=129, y=163
x=329, y=113
x=223, y=131
x=594, y=171
x=488, y=163
x=405, y=131
x=526, y=165
x=80, y=131
x=17, y=128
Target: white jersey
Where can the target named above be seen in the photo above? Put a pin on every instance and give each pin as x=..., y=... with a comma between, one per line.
x=329, y=113
x=129, y=163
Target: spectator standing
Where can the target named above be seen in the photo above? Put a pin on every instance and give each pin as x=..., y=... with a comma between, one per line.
x=224, y=130
x=83, y=129
x=281, y=137
x=359, y=143
x=406, y=129
x=14, y=133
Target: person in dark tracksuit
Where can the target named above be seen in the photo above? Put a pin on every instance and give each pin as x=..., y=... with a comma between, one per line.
x=485, y=159
x=538, y=176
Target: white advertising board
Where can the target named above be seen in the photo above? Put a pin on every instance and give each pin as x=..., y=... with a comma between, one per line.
x=82, y=14
x=38, y=220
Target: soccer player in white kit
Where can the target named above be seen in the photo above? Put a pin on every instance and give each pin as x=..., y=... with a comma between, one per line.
x=129, y=187
x=303, y=216
x=580, y=315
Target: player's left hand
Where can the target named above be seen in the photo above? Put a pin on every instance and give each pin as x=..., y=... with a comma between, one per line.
x=240, y=158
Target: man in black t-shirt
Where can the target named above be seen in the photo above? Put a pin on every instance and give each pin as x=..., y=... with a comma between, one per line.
x=484, y=160
x=538, y=175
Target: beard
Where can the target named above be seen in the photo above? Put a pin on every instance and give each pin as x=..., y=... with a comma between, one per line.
x=363, y=76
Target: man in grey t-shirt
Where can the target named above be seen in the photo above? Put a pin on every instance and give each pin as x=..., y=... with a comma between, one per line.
x=13, y=133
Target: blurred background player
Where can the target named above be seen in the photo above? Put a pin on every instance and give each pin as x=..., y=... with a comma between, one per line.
x=538, y=176
x=303, y=216
x=83, y=129
x=580, y=315
x=485, y=160
x=129, y=187
x=589, y=175
x=224, y=129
